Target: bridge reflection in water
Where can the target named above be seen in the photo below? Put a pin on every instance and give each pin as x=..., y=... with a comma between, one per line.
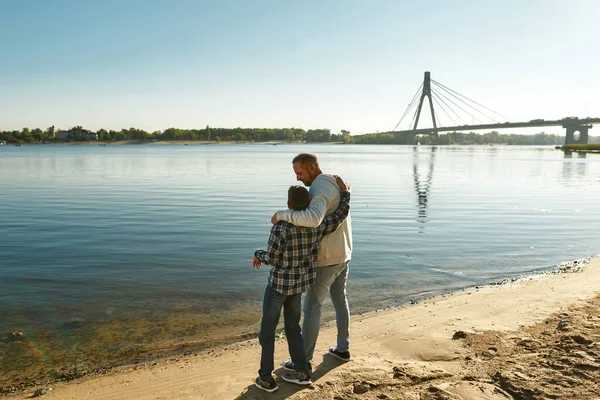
x=574, y=168
x=423, y=181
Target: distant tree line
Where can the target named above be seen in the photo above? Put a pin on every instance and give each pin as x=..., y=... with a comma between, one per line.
x=460, y=138
x=78, y=133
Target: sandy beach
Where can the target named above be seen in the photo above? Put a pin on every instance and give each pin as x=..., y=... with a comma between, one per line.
x=533, y=338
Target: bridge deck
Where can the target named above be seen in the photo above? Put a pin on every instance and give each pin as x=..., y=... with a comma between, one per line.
x=531, y=124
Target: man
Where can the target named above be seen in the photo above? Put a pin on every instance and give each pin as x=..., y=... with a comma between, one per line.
x=292, y=252
x=332, y=261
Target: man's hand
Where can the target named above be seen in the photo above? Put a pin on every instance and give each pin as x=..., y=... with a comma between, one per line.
x=256, y=263
x=274, y=219
x=341, y=183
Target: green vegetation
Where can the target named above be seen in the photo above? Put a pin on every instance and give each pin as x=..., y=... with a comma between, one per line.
x=460, y=138
x=582, y=147
x=79, y=134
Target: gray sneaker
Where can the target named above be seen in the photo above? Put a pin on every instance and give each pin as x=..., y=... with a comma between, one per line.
x=340, y=355
x=299, y=378
x=289, y=366
x=269, y=385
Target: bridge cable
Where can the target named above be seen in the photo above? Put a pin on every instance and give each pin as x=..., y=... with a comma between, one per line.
x=437, y=119
x=458, y=98
x=437, y=97
x=414, y=118
x=444, y=110
x=481, y=105
x=439, y=124
x=440, y=98
x=410, y=105
x=438, y=106
x=455, y=93
x=456, y=105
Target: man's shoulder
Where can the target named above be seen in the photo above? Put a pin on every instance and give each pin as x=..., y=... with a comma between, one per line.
x=325, y=185
x=324, y=179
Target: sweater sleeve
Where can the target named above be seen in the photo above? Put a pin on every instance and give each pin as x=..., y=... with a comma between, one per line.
x=311, y=217
x=323, y=193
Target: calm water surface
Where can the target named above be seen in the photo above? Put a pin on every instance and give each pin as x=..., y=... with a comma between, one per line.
x=110, y=252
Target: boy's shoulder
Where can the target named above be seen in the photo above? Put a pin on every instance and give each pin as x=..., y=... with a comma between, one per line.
x=284, y=226
x=280, y=224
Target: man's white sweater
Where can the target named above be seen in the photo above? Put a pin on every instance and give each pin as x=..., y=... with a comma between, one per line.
x=335, y=248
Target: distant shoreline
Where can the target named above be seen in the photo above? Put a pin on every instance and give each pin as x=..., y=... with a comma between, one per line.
x=272, y=142
x=170, y=142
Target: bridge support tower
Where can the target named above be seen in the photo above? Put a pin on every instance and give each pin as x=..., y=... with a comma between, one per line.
x=426, y=92
x=577, y=133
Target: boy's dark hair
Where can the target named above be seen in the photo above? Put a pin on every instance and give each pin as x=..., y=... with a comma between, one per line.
x=306, y=158
x=298, y=198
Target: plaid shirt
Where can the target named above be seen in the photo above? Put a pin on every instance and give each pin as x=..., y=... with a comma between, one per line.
x=292, y=250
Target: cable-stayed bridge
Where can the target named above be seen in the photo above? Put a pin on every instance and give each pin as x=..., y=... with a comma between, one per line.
x=449, y=101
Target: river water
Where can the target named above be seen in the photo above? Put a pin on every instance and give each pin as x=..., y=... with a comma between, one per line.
x=108, y=253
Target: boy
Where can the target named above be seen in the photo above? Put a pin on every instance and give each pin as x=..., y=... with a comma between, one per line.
x=292, y=252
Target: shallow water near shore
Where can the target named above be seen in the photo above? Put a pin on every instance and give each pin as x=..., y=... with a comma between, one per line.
x=114, y=254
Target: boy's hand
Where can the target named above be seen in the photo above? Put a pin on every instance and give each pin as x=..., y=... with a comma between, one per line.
x=341, y=183
x=256, y=263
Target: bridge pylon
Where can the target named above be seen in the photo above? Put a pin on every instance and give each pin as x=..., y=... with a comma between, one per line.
x=426, y=92
x=574, y=126
x=577, y=130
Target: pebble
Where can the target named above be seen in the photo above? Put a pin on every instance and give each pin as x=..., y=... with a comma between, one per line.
x=362, y=387
x=459, y=335
x=42, y=391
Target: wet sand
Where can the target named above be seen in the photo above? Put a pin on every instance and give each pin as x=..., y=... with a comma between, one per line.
x=534, y=338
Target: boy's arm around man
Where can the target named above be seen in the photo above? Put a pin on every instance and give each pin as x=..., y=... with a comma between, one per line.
x=335, y=219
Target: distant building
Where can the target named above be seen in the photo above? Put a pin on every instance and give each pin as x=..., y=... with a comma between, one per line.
x=63, y=135
x=90, y=135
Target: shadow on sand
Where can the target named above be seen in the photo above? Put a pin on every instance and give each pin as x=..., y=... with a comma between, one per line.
x=287, y=389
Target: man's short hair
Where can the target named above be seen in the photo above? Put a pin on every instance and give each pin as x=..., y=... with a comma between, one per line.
x=306, y=158
x=298, y=198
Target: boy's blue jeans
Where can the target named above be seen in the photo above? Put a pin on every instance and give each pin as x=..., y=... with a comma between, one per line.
x=272, y=305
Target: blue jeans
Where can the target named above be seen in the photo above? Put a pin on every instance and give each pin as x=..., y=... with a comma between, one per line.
x=330, y=279
x=291, y=316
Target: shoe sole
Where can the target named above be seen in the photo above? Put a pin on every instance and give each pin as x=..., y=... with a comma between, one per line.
x=338, y=357
x=265, y=389
x=303, y=383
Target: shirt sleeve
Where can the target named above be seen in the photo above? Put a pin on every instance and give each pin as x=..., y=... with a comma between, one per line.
x=310, y=218
x=335, y=219
x=273, y=255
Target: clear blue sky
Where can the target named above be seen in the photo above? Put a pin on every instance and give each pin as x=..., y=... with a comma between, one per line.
x=344, y=64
